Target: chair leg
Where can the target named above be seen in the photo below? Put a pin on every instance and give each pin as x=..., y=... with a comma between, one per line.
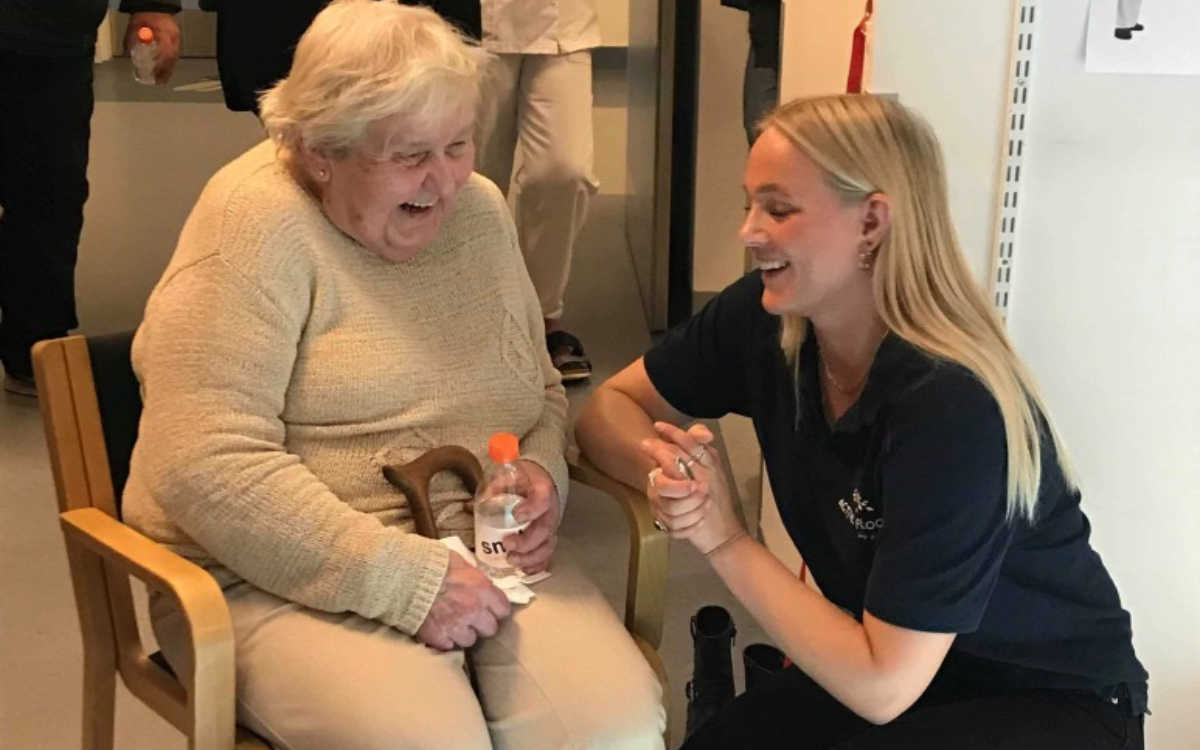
x=99, y=648
x=99, y=704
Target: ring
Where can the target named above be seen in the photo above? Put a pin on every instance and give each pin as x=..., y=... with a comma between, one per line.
x=698, y=456
x=653, y=474
x=658, y=524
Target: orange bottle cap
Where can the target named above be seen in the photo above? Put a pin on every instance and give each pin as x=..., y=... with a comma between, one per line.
x=145, y=35
x=504, y=448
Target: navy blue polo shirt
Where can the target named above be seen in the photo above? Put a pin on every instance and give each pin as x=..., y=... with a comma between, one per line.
x=899, y=507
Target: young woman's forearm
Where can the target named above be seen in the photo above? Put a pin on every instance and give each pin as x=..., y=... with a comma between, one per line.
x=874, y=669
x=609, y=432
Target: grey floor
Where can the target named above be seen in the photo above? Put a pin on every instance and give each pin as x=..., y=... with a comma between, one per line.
x=152, y=150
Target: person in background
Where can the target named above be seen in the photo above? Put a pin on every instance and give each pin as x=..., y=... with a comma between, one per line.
x=537, y=115
x=346, y=296
x=46, y=57
x=760, y=85
x=913, y=461
x=257, y=38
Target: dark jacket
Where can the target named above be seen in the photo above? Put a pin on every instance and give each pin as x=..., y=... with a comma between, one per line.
x=60, y=28
x=257, y=38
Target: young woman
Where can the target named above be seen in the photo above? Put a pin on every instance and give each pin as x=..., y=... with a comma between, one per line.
x=911, y=455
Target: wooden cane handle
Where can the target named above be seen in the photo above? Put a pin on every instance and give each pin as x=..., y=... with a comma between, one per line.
x=413, y=480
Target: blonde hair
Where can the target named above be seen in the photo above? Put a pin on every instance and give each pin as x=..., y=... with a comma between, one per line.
x=924, y=290
x=362, y=61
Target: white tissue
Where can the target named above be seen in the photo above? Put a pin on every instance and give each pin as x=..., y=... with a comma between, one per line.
x=515, y=587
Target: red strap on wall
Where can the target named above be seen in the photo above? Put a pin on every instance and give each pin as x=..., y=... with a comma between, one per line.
x=858, y=53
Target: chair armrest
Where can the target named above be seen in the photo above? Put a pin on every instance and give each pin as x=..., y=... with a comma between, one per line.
x=206, y=707
x=646, y=591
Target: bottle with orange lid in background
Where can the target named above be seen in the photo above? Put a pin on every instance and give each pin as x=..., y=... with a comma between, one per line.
x=144, y=55
x=504, y=486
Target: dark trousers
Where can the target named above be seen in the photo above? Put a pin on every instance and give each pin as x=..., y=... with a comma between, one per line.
x=760, y=87
x=791, y=711
x=45, y=123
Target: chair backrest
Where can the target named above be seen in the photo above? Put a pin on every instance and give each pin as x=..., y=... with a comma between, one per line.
x=91, y=406
x=119, y=398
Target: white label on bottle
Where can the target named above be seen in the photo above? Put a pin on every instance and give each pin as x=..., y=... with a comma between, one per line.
x=491, y=547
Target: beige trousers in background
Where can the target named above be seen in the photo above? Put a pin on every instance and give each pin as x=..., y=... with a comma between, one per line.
x=562, y=672
x=536, y=112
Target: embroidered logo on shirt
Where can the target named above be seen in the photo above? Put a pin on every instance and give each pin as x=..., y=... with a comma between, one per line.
x=862, y=515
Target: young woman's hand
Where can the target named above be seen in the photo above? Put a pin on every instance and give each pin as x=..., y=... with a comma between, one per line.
x=532, y=548
x=700, y=509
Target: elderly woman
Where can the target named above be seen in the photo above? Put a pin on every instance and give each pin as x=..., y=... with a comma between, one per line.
x=347, y=296
x=913, y=460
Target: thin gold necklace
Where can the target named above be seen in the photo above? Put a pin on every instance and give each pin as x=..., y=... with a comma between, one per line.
x=837, y=384
x=846, y=391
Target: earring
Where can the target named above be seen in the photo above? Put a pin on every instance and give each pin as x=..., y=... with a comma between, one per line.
x=321, y=174
x=865, y=255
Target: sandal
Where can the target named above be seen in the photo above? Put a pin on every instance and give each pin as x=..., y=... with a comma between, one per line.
x=566, y=353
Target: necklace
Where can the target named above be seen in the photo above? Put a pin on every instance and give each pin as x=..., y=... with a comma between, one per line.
x=837, y=384
x=845, y=391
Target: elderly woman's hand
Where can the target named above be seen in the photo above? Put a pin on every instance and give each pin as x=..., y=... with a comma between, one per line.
x=700, y=509
x=468, y=607
x=532, y=549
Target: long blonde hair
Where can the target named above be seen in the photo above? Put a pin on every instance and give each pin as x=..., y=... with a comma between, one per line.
x=923, y=288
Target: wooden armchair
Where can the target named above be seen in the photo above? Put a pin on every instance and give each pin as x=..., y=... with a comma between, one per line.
x=91, y=406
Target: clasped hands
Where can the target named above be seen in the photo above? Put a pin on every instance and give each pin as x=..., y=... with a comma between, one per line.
x=688, y=491
x=469, y=606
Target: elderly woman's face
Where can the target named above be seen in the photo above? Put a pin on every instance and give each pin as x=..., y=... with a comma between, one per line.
x=395, y=189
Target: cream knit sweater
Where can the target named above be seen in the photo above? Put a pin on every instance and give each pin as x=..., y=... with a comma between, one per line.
x=282, y=364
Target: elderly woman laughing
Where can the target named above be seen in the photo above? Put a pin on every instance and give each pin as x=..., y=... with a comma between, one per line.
x=345, y=296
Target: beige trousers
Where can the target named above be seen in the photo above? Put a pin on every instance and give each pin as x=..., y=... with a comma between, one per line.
x=536, y=112
x=562, y=672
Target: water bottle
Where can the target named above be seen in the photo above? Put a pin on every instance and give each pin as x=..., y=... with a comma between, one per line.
x=144, y=55
x=504, y=486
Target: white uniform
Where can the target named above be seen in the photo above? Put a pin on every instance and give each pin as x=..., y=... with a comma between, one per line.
x=1127, y=13
x=537, y=111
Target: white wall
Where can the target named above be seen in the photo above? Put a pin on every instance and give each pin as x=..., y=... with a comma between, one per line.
x=950, y=63
x=817, y=37
x=1106, y=309
x=614, y=22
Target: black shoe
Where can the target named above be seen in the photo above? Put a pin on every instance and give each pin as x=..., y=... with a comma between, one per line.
x=566, y=353
x=711, y=686
x=1139, y=27
x=1123, y=33
x=761, y=660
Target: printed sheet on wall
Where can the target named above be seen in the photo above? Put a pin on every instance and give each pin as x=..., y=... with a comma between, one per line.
x=1152, y=37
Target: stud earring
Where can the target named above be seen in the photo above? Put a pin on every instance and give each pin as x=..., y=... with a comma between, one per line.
x=865, y=255
x=321, y=174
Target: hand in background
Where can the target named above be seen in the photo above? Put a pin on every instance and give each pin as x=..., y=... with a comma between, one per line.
x=468, y=607
x=534, y=546
x=166, y=36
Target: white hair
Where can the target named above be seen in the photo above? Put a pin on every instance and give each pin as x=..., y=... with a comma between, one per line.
x=362, y=61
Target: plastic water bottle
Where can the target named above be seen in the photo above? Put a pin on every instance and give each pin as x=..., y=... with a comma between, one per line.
x=504, y=486
x=144, y=55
